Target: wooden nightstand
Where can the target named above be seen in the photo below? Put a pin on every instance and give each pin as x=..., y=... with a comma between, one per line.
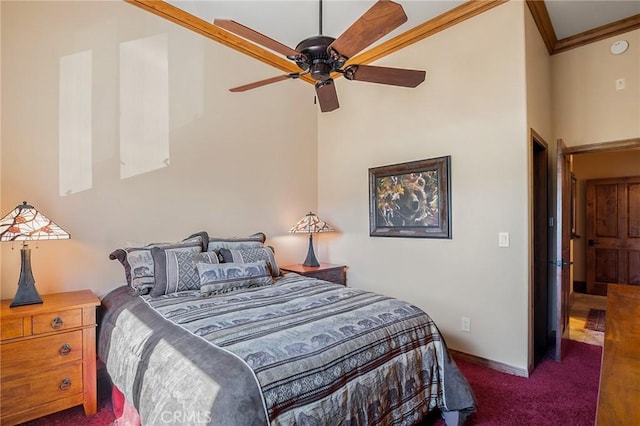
x=48, y=356
x=326, y=271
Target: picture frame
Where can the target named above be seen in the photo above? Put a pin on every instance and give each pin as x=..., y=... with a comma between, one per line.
x=411, y=200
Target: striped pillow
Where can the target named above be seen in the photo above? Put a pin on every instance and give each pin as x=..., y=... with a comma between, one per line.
x=176, y=271
x=251, y=255
x=226, y=277
x=239, y=243
x=138, y=262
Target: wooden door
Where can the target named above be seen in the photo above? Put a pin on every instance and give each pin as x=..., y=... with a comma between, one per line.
x=541, y=327
x=613, y=233
x=563, y=249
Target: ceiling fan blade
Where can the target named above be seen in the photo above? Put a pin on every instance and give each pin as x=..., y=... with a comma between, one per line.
x=384, y=75
x=264, y=82
x=382, y=18
x=254, y=36
x=327, y=95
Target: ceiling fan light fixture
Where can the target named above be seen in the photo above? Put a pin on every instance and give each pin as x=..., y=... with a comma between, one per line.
x=320, y=71
x=320, y=55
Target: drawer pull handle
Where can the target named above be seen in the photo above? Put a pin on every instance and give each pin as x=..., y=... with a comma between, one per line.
x=57, y=323
x=65, y=349
x=65, y=384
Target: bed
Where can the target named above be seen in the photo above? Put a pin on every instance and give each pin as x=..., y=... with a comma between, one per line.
x=289, y=350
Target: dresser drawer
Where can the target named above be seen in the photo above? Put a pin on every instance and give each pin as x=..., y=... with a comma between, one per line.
x=32, y=390
x=56, y=321
x=11, y=328
x=26, y=356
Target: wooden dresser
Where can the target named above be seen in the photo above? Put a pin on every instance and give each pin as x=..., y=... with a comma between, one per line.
x=619, y=392
x=48, y=356
x=326, y=271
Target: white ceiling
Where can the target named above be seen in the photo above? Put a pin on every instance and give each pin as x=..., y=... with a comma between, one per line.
x=290, y=21
x=570, y=17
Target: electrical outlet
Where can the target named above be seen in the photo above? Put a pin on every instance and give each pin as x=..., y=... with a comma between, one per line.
x=465, y=324
x=620, y=84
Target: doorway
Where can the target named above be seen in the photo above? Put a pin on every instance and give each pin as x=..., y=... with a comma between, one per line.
x=630, y=150
x=612, y=163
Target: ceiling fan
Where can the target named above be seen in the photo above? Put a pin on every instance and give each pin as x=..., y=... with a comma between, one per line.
x=321, y=55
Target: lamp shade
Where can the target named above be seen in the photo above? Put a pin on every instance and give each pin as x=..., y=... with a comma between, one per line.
x=25, y=224
x=310, y=224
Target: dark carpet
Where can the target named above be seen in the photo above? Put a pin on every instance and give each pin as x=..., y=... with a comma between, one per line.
x=563, y=393
x=595, y=320
x=556, y=394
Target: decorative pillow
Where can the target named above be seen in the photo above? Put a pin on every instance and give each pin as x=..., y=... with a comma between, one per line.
x=176, y=270
x=138, y=261
x=239, y=243
x=226, y=277
x=251, y=255
x=204, y=237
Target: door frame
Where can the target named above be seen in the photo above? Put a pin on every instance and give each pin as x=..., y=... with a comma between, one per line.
x=562, y=260
x=563, y=198
x=603, y=146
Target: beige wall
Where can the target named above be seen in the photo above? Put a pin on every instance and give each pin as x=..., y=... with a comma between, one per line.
x=472, y=107
x=538, y=68
x=587, y=108
x=596, y=166
x=238, y=163
x=1, y=205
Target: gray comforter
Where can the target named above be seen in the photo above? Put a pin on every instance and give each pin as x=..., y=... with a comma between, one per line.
x=300, y=352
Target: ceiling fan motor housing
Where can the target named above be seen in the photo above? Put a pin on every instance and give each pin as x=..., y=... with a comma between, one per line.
x=314, y=56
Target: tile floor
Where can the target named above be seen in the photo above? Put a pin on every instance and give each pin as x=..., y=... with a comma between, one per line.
x=578, y=317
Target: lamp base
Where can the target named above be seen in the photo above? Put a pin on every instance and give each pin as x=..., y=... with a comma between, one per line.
x=311, y=256
x=27, y=293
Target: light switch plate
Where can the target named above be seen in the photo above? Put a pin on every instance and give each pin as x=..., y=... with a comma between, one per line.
x=503, y=239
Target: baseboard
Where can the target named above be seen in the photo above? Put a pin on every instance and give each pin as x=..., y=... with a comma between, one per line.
x=487, y=363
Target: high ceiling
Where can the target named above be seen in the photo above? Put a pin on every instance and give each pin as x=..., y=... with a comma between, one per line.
x=290, y=21
x=563, y=24
x=571, y=17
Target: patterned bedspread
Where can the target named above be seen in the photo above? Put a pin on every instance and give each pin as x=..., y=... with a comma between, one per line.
x=303, y=351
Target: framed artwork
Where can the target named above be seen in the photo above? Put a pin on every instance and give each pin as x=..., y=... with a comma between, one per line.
x=411, y=199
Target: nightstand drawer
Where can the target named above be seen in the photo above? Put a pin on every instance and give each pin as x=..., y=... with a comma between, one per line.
x=325, y=271
x=26, y=356
x=30, y=391
x=11, y=328
x=56, y=321
x=333, y=275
